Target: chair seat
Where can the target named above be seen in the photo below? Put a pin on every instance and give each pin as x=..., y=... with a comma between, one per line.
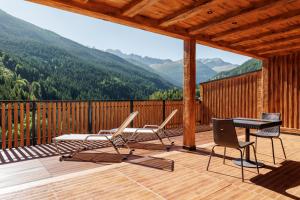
x=82, y=137
x=265, y=134
x=245, y=144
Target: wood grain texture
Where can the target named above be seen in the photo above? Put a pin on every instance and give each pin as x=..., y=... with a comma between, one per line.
x=232, y=97
x=284, y=77
x=274, y=89
x=189, y=87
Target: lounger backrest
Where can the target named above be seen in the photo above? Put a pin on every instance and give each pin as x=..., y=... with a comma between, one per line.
x=168, y=119
x=127, y=121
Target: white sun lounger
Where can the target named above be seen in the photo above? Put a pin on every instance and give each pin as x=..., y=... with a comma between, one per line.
x=158, y=130
x=113, y=136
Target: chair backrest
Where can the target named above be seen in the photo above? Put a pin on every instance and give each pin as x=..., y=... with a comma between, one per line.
x=126, y=122
x=224, y=133
x=271, y=116
x=168, y=119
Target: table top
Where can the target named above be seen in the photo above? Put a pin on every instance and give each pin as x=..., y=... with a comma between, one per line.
x=252, y=123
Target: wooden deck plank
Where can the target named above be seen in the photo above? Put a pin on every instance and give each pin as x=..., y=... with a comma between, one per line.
x=147, y=174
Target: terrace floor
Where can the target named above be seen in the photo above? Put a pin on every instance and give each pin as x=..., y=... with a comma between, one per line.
x=149, y=174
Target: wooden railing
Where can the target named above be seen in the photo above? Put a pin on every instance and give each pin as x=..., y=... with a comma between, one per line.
x=238, y=96
x=37, y=122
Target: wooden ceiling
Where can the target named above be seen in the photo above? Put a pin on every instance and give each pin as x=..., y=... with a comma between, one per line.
x=257, y=28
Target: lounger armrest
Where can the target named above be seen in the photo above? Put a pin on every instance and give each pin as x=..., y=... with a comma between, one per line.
x=151, y=126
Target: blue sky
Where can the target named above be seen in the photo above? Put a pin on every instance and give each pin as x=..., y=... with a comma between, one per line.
x=106, y=35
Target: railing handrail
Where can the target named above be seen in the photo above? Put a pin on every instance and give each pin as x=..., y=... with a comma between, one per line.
x=93, y=100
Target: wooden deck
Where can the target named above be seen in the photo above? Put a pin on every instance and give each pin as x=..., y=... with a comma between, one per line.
x=149, y=174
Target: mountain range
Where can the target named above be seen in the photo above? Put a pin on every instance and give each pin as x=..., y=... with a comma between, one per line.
x=172, y=71
x=64, y=69
x=39, y=64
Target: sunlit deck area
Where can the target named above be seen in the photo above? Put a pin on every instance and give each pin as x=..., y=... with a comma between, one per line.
x=263, y=29
x=153, y=173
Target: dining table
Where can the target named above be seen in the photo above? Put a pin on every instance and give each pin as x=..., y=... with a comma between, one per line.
x=252, y=123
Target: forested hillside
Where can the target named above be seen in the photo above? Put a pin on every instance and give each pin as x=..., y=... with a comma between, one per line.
x=248, y=66
x=48, y=66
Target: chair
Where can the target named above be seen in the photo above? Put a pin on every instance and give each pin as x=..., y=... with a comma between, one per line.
x=272, y=133
x=225, y=136
x=152, y=129
x=113, y=136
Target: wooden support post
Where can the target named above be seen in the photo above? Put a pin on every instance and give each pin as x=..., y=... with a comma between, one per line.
x=189, y=87
x=265, y=85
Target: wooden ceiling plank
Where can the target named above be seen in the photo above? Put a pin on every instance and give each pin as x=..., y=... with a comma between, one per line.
x=136, y=6
x=185, y=13
x=248, y=40
x=231, y=16
x=270, y=44
x=272, y=21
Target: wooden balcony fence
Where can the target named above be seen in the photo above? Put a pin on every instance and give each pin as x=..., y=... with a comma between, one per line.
x=238, y=96
x=37, y=122
x=241, y=96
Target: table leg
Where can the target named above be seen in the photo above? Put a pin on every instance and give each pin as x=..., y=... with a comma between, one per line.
x=247, y=139
x=247, y=162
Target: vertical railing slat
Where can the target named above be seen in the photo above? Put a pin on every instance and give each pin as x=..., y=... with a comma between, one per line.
x=54, y=126
x=59, y=123
x=21, y=124
x=49, y=120
x=16, y=124
x=9, y=125
x=44, y=131
x=3, y=124
x=73, y=117
x=27, y=124
x=38, y=122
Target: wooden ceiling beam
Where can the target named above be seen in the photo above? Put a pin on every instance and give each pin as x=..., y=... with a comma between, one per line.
x=233, y=16
x=271, y=44
x=185, y=13
x=259, y=38
x=269, y=22
x=136, y=6
x=101, y=11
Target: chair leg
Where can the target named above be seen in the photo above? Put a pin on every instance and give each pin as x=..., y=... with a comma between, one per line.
x=167, y=136
x=126, y=144
x=273, y=150
x=224, y=155
x=282, y=147
x=242, y=165
x=161, y=140
x=255, y=158
x=212, y=152
x=243, y=153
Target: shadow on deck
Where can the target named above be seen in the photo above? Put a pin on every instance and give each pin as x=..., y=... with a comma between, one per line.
x=47, y=150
